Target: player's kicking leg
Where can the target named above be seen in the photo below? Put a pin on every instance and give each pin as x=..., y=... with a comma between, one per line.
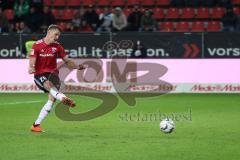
x=58, y=95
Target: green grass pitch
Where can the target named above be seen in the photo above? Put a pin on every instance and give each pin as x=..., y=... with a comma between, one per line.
x=207, y=128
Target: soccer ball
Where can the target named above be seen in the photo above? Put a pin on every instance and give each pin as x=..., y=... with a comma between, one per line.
x=167, y=125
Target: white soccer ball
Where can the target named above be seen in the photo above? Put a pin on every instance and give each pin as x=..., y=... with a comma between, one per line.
x=167, y=125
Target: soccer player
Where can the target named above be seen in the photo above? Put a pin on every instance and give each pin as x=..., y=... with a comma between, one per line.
x=43, y=63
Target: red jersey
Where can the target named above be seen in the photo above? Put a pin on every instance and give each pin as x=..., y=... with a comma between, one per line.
x=46, y=56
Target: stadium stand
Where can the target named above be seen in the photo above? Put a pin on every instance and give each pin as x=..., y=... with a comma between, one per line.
x=172, y=13
x=217, y=12
x=58, y=3
x=236, y=10
x=202, y=13
x=204, y=17
x=166, y=27
x=213, y=26
x=182, y=26
x=148, y=2
x=103, y=3
x=56, y=14
x=198, y=26
x=163, y=2
x=47, y=2
x=87, y=2
x=73, y=3
x=67, y=14
x=158, y=13
x=188, y=13
x=236, y=1
x=118, y=3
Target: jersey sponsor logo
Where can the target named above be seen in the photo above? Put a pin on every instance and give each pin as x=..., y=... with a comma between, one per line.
x=46, y=55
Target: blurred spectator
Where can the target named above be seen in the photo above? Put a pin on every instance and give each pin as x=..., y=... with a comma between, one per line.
x=27, y=45
x=21, y=27
x=47, y=18
x=119, y=20
x=3, y=22
x=33, y=20
x=134, y=19
x=92, y=17
x=69, y=27
x=85, y=27
x=148, y=22
x=37, y=4
x=105, y=19
x=11, y=27
x=21, y=9
x=229, y=20
x=77, y=19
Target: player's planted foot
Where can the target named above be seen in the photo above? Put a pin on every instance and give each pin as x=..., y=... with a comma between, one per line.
x=67, y=101
x=36, y=128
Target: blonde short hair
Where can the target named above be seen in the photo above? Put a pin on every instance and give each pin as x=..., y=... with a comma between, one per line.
x=54, y=26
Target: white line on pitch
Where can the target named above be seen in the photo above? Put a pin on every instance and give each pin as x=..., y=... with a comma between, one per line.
x=23, y=102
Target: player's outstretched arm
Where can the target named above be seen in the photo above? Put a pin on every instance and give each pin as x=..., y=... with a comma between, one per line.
x=31, y=67
x=72, y=64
